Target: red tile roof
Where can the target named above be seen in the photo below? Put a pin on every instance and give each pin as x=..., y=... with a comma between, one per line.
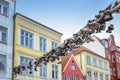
x=77, y=51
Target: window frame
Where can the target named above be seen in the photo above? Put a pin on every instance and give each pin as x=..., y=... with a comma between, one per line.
x=73, y=77
x=89, y=75
x=6, y=5
x=88, y=60
x=44, y=71
x=66, y=77
x=72, y=67
x=22, y=62
x=54, y=70
x=4, y=63
x=54, y=44
x=95, y=62
x=43, y=44
x=28, y=45
x=79, y=78
x=100, y=64
x=5, y=31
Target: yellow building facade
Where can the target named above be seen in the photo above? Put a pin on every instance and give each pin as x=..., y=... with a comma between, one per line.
x=31, y=40
x=94, y=67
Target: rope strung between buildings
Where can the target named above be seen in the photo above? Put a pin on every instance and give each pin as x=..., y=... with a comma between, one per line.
x=84, y=35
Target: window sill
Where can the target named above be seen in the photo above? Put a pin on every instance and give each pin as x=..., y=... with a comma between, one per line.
x=3, y=42
x=4, y=16
x=25, y=46
x=26, y=75
x=42, y=77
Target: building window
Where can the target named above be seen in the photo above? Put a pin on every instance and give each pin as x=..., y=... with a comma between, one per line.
x=4, y=8
x=43, y=71
x=89, y=75
x=114, y=70
x=73, y=78
x=100, y=63
x=43, y=44
x=24, y=61
x=53, y=45
x=95, y=76
x=3, y=34
x=101, y=77
x=0, y=7
x=55, y=72
x=88, y=60
x=79, y=78
x=67, y=77
x=26, y=38
x=113, y=58
x=72, y=67
x=118, y=70
x=94, y=62
x=3, y=59
x=105, y=65
x=110, y=71
x=109, y=56
x=119, y=59
x=106, y=77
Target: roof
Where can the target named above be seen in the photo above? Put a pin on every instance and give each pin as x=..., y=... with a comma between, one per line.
x=82, y=48
x=38, y=23
x=75, y=52
x=65, y=59
x=112, y=44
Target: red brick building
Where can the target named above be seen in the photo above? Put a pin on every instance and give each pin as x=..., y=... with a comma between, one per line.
x=113, y=54
x=71, y=69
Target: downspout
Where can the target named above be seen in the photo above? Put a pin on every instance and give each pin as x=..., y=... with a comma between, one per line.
x=14, y=16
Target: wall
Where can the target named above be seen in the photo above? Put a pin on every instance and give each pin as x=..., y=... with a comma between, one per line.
x=6, y=49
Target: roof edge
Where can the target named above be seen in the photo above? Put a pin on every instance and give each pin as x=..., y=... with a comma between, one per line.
x=37, y=23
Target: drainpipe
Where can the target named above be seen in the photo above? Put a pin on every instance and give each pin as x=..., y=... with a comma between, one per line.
x=13, y=37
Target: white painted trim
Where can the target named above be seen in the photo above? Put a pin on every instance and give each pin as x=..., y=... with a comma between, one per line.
x=77, y=63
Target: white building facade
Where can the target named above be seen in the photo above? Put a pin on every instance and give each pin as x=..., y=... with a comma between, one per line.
x=7, y=10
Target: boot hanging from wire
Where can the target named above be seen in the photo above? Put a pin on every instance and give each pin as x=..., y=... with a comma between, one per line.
x=110, y=28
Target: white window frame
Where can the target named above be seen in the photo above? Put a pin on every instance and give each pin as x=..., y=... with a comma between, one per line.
x=113, y=57
x=6, y=4
x=66, y=77
x=100, y=64
x=54, y=44
x=43, y=73
x=5, y=31
x=95, y=76
x=43, y=44
x=89, y=75
x=79, y=78
x=114, y=71
x=3, y=62
x=54, y=70
x=111, y=72
x=24, y=37
x=73, y=67
x=106, y=77
x=94, y=61
x=101, y=76
x=26, y=71
x=105, y=65
x=88, y=60
x=73, y=77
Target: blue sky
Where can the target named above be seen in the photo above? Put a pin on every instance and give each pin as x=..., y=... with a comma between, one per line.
x=67, y=16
